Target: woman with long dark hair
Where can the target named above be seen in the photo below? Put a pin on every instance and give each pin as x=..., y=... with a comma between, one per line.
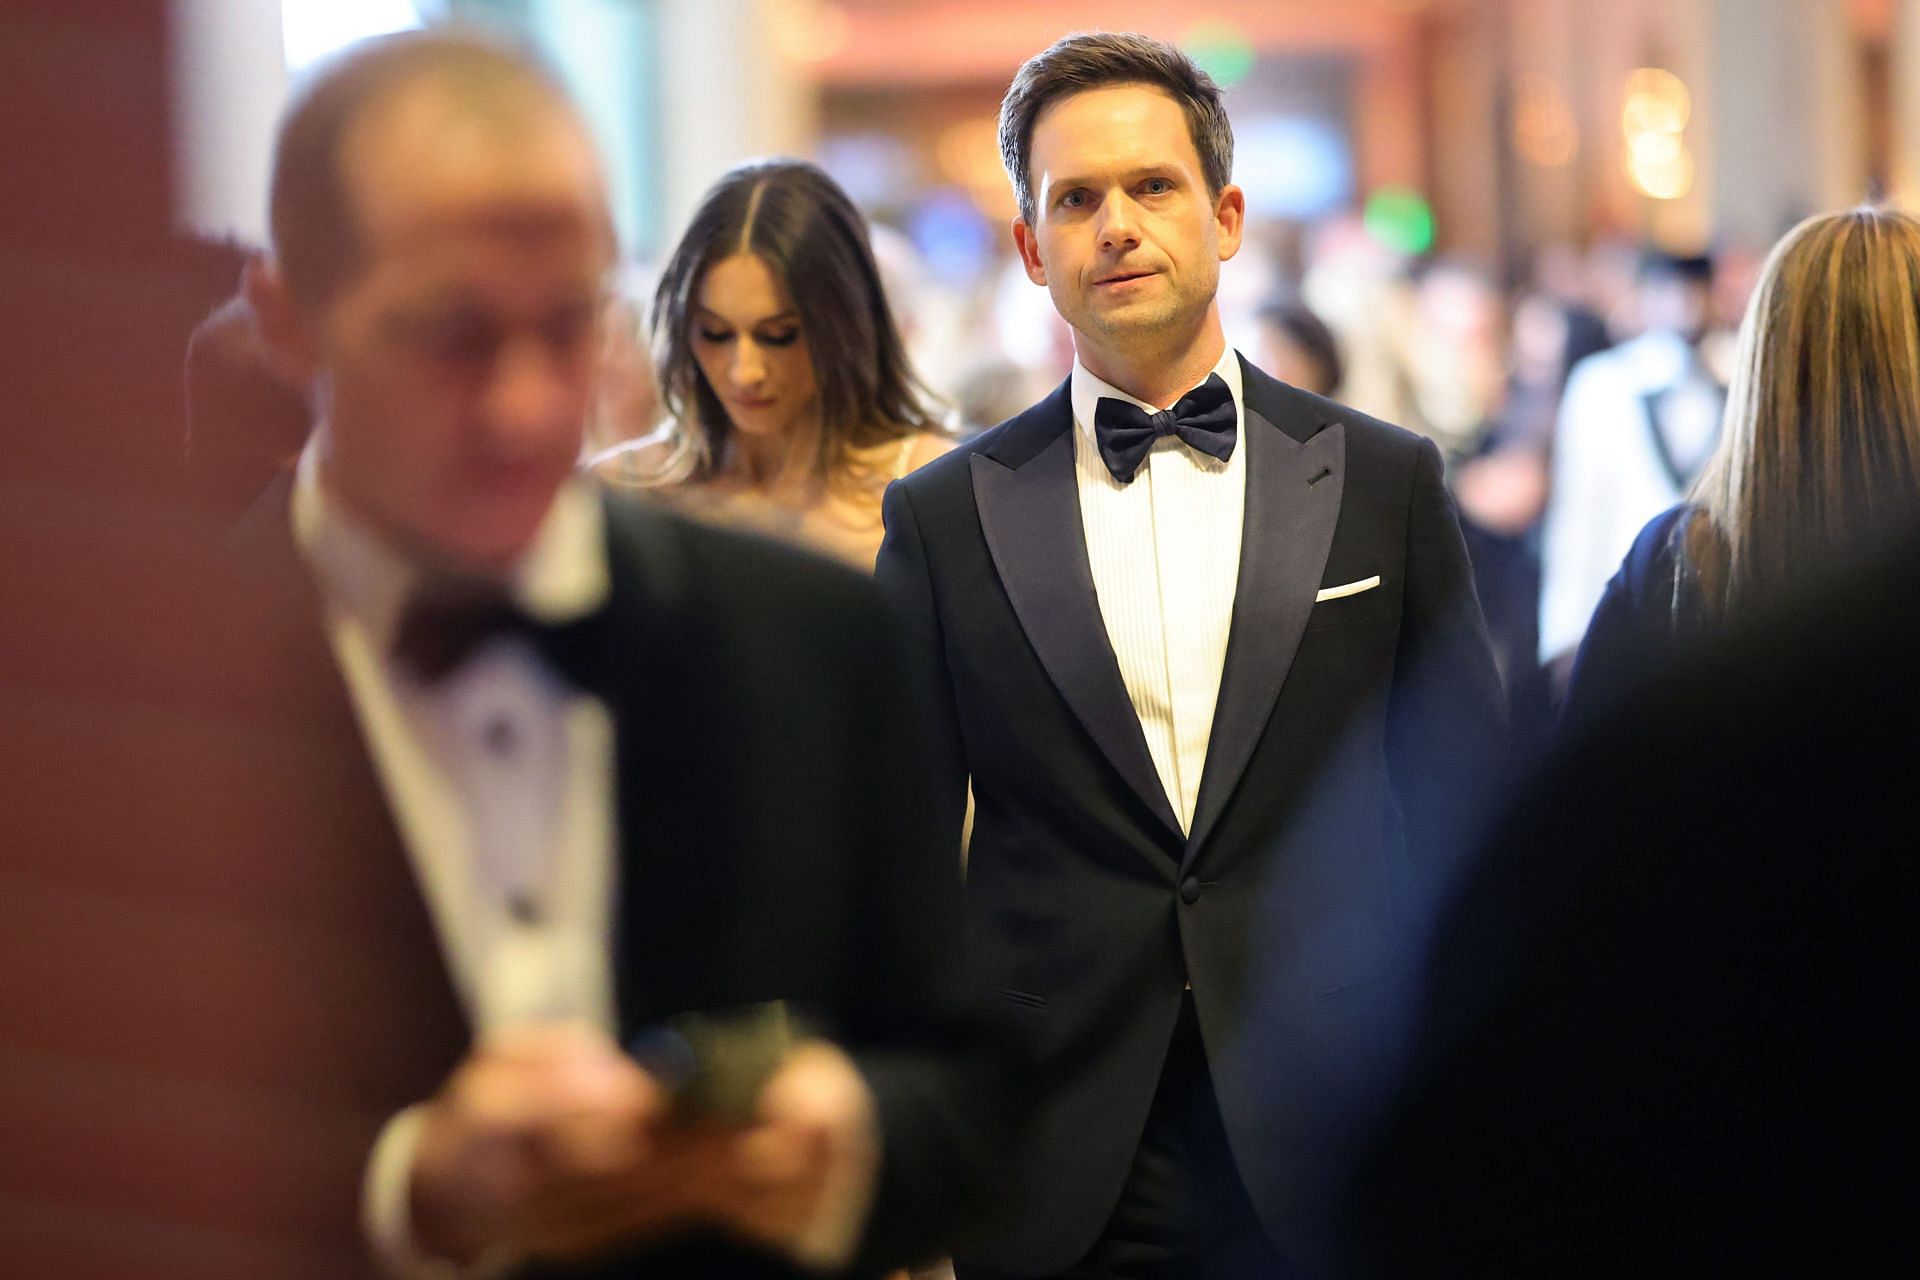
x=1819, y=452
x=791, y=400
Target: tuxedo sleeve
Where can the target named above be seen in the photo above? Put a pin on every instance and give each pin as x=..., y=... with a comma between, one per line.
x=942, y=1085
x=1446, y=727
x=906, y=579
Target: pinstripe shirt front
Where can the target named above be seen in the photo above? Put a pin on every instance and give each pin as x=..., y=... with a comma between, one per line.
x=1165, y=554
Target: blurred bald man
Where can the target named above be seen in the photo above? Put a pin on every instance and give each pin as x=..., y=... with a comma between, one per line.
x=571, y=771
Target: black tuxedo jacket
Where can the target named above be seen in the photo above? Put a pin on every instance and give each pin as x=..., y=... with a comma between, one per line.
x=775, y=842
x=1347, y=738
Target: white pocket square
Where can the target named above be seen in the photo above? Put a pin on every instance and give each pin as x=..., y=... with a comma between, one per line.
x=1350, y=589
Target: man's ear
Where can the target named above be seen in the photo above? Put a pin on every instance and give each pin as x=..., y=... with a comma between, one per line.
x=1230, y=217
x=1029, y=245
x=283, y=327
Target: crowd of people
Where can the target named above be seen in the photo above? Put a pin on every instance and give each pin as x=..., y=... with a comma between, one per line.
x=667, y=790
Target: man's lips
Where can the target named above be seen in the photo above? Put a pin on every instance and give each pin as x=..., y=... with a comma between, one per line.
x=1123, y=277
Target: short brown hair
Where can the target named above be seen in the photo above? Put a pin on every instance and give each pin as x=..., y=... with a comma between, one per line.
x=1099, y=59
x=316, y=233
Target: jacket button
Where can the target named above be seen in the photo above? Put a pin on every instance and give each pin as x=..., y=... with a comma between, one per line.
x=1190, y=891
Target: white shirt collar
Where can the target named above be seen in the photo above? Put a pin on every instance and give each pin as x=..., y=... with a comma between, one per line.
x=1087, y=389
x=563, y=573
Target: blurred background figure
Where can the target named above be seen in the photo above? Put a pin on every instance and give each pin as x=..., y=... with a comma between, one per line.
x=246, y=422
x=1297, y=347
x=1636, y=426
x=792, y=402
x=1501, y=487
x=1819, y=457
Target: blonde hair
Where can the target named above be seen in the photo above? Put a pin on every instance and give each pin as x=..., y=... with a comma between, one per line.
x=1820, y=446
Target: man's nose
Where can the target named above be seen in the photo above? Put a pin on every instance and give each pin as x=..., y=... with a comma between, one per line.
x=532, y=385
x=1119, y=222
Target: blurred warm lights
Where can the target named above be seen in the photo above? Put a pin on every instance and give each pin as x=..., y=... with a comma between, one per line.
x=1654, y=116
x=811, y=30
x=969, y=157
x=1544, y=130
x=1657, y=102
x=1660, y=165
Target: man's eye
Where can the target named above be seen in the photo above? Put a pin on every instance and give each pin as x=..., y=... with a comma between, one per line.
x=1073, y=199
x=1158, y=186
x=784, y=338
x=461, y=342
x=569, y=330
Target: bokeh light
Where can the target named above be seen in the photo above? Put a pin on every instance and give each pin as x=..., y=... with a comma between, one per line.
x=1222, y=50
x=1401, y=219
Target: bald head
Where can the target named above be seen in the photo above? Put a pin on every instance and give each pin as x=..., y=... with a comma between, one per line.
x=449, y=110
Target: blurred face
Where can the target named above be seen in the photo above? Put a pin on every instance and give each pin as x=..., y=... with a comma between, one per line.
x=456, y=367
x=1125, y=235
x=748, y=342
x=1292, y=363
x=1669, y=304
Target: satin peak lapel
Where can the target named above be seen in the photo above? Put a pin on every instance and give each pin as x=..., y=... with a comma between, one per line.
x=1030, y=514
x=1293, y=502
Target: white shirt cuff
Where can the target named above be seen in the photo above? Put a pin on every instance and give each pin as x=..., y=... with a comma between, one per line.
x=385, y=1213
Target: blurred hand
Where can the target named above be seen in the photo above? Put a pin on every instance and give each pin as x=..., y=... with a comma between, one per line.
x=550, y=1142
x=815, y=1116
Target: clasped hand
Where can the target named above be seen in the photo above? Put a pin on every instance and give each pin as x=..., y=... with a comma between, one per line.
x=551, y=1143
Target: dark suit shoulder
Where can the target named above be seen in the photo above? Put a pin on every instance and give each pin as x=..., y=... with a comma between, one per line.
x=1647, y=612
x=688, y=563
x=717, y=559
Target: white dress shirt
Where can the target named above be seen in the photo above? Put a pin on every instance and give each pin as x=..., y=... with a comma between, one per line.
x=1165, y=553
x=500, y=782
x=500, y=779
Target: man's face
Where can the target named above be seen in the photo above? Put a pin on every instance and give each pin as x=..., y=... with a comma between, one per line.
x=457, y=364
x=1125, y=235
x=1672, y=304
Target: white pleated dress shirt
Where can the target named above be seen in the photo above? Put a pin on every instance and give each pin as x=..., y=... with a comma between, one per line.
x=500, y=779
x=500, y=782
x=1165, y=553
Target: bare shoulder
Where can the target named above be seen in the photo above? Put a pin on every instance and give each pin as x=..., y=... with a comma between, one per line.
x=927, y=446
x=650, y=462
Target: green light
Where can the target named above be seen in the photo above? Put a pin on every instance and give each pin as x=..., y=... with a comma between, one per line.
x=1401, y=219
x=1222, y=50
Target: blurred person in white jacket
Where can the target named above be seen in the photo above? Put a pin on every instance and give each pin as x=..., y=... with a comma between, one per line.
x=1636, y=424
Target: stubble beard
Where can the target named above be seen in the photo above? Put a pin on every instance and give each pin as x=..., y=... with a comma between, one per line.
x=1142, y=327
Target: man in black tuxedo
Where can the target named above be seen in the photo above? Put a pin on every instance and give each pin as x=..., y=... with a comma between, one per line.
x=1207, y=646
x=569, y=770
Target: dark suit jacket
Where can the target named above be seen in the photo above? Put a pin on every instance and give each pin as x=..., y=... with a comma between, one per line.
x=1670, y=1019
x=1347, y=739
x=775, y=842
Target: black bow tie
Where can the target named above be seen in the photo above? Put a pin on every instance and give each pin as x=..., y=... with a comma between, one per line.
x=446, y=620
x=1204, y=418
